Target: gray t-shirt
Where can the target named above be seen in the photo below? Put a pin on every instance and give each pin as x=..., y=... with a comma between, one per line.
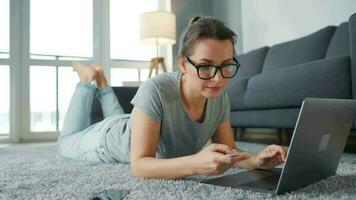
x=159, y=99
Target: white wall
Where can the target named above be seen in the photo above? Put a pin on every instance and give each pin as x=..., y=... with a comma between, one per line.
x=268, y=22
x=229, y=11
x=185, y=10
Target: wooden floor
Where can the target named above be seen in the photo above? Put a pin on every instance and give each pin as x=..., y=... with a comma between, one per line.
x=281, y=138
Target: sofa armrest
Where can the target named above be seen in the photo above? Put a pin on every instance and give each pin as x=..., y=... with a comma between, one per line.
x=124, y=96
x=352, y=32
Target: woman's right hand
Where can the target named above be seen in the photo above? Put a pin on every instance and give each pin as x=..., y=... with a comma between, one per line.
x=212, y=160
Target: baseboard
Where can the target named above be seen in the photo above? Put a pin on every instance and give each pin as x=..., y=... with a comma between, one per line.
x=4, y=139
x=39, y=137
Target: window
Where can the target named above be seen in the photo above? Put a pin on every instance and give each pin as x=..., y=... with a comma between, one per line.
x=47, y=106
x=4, y=100
x=144, y=74
x=58, y=35
x=4, y=67
x=122, y=76
x=67, y=81
x=4, y=28
x=124, y=21
x=43, y=98
x=54, y=33
x=61, y=27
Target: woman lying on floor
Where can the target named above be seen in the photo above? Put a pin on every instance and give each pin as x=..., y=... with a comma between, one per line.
x=174, y=115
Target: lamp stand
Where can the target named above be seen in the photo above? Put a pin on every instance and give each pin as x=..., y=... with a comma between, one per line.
x=154, y=65
x=156, y=61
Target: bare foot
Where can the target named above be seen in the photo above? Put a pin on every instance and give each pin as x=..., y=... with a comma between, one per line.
x=101, y=81
x=85, y=73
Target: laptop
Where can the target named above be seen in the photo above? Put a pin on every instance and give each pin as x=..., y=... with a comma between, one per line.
x=319, y=138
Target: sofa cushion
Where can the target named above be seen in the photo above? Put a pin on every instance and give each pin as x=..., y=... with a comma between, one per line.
x=340, y=42
x=287, y=87
x=308, y=48
x=251, y=62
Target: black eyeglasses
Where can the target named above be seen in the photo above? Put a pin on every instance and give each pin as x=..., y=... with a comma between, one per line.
x=207, y=72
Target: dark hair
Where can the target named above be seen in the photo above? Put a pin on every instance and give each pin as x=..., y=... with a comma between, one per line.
x=203, y=28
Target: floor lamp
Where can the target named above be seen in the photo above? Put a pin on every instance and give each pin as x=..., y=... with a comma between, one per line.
x=157, y=28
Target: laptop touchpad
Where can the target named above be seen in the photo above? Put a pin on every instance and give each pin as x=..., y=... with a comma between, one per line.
x=241, y=178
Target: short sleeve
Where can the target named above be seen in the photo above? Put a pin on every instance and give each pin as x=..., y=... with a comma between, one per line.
x=226, y=107
x=148, y=99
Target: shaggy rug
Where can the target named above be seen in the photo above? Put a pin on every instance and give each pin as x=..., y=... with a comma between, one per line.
x=36, y=171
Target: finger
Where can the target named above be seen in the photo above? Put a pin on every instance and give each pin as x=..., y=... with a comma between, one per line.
x=223, y=148
x=275, y=163
x=268, y=154
x=284, y=154
x=279, y=158
x=281, y=151
x=221, y=158
x=234, y=151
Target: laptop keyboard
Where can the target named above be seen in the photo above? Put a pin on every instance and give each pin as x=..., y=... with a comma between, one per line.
x=269, y=183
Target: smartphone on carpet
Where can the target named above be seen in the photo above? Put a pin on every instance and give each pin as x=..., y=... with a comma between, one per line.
x=114, y=194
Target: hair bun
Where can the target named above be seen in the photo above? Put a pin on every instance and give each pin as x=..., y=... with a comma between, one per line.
x=194, y=19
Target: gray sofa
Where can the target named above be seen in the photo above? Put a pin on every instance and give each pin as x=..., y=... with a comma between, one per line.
x=273, y=81
x=124, y=96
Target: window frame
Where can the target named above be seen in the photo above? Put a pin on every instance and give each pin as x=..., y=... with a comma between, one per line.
x=19, y=63
x=7, y=62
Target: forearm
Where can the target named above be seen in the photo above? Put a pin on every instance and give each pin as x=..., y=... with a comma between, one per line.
x=172, y=168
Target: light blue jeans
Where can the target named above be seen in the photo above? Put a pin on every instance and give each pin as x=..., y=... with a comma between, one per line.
x=79, y=140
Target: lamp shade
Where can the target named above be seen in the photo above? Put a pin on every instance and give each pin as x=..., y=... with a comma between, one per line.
x=158, y=27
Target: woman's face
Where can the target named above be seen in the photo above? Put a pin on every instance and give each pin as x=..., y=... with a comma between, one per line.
x=208, y=51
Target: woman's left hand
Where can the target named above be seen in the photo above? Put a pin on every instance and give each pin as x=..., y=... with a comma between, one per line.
x=271, y=156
